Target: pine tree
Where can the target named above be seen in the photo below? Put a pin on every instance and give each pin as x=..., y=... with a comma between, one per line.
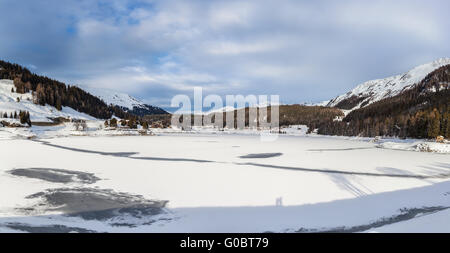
x=434, y=124
x=113, y=122
x=132, y=124
x=58, y=103
x=28, y=118
x=447, y=128
x=24, y=117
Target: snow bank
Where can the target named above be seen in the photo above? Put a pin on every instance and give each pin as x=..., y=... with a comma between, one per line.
x=95, y=128
x=421, y=146
x=295, y=130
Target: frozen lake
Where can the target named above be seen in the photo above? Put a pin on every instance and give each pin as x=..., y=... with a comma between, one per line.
x=218, y=183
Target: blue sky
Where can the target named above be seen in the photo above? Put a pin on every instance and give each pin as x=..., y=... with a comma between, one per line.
x=304, y=51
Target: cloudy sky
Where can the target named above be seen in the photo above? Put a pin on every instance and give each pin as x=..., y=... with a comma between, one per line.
x=304, y=51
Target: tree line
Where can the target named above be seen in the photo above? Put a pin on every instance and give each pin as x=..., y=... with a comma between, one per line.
x=312, y=116
x=22, y=116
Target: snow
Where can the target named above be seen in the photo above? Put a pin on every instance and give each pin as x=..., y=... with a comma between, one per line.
x=227, y=193
x=38, y=113
x=391, y=86
x=418, y=145
x=295, y=130
x=94, y=128
x=325, y=216
x=223, y=109
x=323, y=103
x=204, y=111
x=114, y=97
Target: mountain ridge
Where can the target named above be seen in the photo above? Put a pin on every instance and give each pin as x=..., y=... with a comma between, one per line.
x=125, y=101
x=45, y=91
x=375, y=90
x=421, y=111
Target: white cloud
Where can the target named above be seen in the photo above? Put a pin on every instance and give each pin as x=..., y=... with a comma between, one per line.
x=91, y=27
x=220, y=45
x=237, y=48
x=406, y=18
x=230, y=14
x=306, y=50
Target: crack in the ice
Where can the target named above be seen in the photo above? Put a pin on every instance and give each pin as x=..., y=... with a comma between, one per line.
x=260, y=155
x=124, y=154
x=340, y=149
x=345, y=172
x=129, y=155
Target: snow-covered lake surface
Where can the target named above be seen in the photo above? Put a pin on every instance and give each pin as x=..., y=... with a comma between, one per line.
x=220, y=183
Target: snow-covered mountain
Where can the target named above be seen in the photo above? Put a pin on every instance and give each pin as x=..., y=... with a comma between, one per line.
x=232, y=108
x=124, y=101
x=11, y=102
x=375, y=90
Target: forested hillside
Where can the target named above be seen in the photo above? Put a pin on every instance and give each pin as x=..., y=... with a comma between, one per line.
x=124, y=101
x=378, y=89
x=57, y=94
x=312, y=116
x=419, y=112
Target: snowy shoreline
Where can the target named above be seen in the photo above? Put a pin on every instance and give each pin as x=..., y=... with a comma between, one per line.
x=95, y=129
